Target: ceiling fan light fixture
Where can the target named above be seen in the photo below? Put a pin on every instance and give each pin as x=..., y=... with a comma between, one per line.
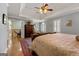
x=45, y=11
x=41, y=11
x=46, y=7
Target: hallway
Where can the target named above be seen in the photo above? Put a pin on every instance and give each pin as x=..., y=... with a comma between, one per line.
x=15, y=49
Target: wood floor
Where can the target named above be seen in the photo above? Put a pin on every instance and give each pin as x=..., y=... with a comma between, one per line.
x=15, y=49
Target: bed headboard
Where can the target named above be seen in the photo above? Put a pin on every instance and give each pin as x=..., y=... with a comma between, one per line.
x=40, y=34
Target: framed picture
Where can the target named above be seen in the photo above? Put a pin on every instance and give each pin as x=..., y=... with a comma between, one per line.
x=69, y=23
x=4, y=19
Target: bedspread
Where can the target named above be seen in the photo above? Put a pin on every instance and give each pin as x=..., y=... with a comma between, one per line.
x=58, y=44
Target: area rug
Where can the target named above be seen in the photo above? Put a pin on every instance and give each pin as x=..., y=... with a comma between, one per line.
x=25, y=46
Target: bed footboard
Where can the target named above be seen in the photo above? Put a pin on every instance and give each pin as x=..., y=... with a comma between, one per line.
x=40, y=34
x=34, y=53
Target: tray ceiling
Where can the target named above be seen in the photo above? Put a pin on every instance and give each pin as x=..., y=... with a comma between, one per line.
x=28, y=10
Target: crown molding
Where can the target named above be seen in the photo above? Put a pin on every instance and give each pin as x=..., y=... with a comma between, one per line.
x=63, y=13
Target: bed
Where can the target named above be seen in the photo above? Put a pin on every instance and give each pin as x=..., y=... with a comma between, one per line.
x=58, y=44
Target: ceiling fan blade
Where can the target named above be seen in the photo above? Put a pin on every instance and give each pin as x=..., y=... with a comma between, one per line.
x=46, y=4
x=50, y=9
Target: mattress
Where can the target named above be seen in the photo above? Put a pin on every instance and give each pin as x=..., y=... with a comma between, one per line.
x=58, y=44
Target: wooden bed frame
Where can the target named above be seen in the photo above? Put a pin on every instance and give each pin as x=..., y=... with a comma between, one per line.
x=40, y=34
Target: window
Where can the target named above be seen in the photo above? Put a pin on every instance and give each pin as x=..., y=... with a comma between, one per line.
x=56, y=25
x=40, y=27
x=43, y=27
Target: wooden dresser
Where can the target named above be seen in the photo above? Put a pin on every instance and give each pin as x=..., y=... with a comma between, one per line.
x=29, y=29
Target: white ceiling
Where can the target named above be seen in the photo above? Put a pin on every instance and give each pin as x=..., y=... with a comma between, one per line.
x=28, y=10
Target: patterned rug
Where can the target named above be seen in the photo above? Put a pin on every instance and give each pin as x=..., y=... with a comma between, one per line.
x=25, y=44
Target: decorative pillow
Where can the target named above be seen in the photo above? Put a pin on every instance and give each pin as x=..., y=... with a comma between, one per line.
x=77, y=38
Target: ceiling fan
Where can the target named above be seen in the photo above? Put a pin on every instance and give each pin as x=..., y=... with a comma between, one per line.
x=44, y=8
